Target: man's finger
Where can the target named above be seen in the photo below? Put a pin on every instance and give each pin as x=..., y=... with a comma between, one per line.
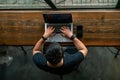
x=53, y=34
x=61, y=30
x=53, y=29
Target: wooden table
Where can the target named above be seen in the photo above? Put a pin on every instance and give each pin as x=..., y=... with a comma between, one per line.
x=100, y=27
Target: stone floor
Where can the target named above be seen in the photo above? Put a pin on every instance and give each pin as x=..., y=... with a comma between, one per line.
x=99, y=64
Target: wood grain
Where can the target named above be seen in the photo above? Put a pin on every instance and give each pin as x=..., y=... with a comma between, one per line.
x=100, y=28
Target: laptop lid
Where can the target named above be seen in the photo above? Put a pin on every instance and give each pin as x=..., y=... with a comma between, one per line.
x=58, y=18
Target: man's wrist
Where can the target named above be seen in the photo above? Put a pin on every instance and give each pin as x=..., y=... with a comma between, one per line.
x=44, y=38
x=72, y=37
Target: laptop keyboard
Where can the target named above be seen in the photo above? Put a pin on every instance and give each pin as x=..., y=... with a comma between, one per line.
x=58, y=37
x=58, y=26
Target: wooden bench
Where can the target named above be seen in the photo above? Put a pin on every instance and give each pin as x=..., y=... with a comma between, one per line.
x=100, y=27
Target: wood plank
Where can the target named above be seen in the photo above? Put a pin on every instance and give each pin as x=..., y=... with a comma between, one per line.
x=100, y=28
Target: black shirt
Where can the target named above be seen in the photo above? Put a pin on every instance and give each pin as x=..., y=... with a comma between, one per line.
x=70, y=62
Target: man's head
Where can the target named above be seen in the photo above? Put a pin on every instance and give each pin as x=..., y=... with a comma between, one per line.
x=54, y=53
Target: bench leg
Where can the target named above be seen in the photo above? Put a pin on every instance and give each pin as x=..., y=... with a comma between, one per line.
x=23, y=50
x=117, y=53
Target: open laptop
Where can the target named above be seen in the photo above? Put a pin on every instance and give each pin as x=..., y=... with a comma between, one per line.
x=57, y=21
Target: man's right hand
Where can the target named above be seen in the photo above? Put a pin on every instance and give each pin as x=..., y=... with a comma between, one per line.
x=66, y=31
x=48, y=32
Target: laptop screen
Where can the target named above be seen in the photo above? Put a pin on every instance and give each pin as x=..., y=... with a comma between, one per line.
x=57, y=18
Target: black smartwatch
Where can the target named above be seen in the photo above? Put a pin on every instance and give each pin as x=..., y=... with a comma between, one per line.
x=44, y=38
x=72, y=37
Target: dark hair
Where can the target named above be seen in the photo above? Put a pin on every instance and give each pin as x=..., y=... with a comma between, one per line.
x=54, y=53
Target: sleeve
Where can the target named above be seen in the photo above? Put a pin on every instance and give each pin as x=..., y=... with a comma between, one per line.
x=78, y=56
x=74, y=59
x=39, y=60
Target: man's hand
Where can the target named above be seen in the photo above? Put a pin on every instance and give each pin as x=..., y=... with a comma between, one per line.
x=66, y=31
x=39, y=45
x=48, y=32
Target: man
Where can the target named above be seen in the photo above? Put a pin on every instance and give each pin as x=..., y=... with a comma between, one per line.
x=55, y=59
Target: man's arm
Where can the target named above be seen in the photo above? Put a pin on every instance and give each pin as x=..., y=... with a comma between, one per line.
x=38, y=46
x=40, y=43
x=78, y=44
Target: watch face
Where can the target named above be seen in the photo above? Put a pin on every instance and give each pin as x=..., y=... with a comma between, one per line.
x=72, y=37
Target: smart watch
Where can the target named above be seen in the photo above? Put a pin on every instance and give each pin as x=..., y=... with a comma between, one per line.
x=72, y=37
x=44, y=38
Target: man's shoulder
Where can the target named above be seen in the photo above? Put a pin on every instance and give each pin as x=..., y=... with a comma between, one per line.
x=39, y=59
x=73, y=58
x=76, y=54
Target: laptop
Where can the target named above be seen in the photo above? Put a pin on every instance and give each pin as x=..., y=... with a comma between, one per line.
x=57, y=21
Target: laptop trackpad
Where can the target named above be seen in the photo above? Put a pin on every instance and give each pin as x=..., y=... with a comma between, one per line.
x=58, y=38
